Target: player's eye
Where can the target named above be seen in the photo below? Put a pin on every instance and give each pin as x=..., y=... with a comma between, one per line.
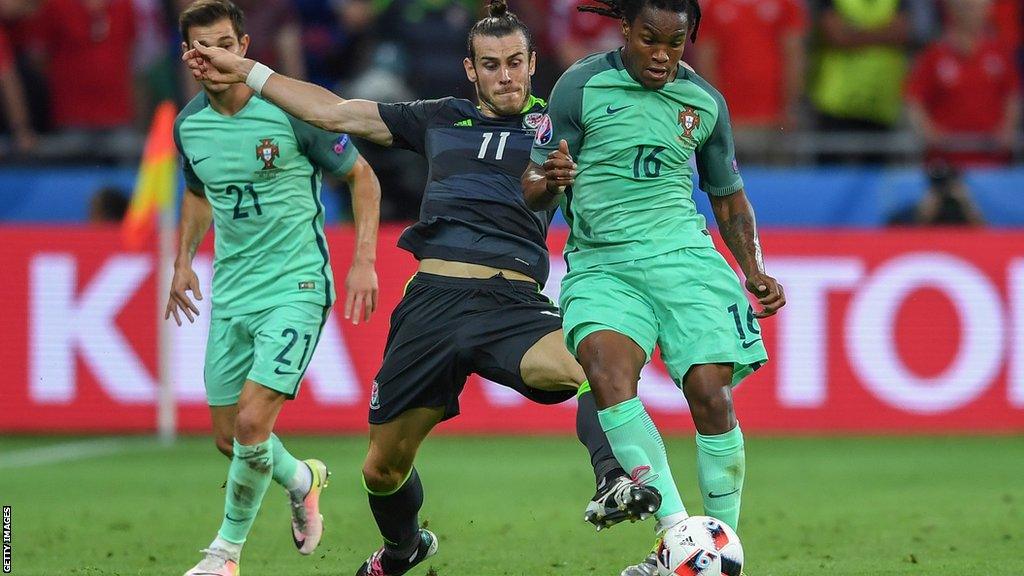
x=647, y=41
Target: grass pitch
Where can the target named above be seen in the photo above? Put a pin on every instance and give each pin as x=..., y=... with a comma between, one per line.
x=514, y=506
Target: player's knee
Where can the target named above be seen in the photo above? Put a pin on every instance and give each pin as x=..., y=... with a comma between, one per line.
x=710, y=405
x=382, y=476
x=709, y=400
x=250, y=428
x=609, y=380
x=225, y=444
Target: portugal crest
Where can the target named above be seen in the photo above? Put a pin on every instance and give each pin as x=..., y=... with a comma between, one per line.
x=267, y=151
x=689, y=120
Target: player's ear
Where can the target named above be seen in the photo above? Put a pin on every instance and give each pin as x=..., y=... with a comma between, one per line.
x=533, y=63
x=625, y=29
x=470, y=70
x=243, y=45
x=184, y=47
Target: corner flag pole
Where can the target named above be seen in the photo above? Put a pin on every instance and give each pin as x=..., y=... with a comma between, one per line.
x=166, y=414
x=150, y=212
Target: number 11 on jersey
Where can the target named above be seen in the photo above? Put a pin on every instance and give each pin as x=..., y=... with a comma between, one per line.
x=502, y=139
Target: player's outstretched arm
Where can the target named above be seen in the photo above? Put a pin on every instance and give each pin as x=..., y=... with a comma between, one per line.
x=361, y=289
x=736, y=223
x=196, y=218
x=543, y=185
x=308, y=102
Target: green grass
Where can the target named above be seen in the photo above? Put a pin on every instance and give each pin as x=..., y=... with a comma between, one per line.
x=514, y=506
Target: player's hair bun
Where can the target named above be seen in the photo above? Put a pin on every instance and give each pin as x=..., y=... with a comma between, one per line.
x=497, y=8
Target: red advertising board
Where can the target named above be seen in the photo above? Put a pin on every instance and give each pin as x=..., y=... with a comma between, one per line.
x=885, y=332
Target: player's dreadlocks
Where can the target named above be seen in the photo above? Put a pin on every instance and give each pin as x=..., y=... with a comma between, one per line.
x=499, y=22
x=629, y=9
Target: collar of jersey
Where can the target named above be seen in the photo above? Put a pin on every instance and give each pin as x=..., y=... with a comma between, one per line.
x=531, y=102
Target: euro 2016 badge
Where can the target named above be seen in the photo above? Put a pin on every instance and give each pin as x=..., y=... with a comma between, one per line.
x=545, y=131
x=532, y=120
x=340, y=144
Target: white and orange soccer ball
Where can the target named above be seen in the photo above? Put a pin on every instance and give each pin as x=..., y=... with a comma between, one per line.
x=700, y=546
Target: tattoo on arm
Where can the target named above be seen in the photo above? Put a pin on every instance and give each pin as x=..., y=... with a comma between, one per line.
x=740, y=234
x=194, y=247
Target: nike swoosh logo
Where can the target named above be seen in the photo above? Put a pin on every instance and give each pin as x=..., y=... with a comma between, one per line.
x=713, y=495
x=279, y=373
x=205, y=158
x=751, y=343
x=228, y=516
x=614, y=110
x=549, y=313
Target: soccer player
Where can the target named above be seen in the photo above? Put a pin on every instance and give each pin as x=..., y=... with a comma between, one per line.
x=474, y=304
x=642, y=269
x=255, y=171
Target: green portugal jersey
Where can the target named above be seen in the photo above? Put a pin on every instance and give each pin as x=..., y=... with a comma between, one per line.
x=261, y=171
x=633, y=194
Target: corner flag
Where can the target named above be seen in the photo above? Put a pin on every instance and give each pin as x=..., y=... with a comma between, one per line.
x=154, y=186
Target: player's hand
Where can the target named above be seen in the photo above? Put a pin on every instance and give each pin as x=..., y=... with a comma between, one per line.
x=360, y=293
x=185, y=280
x=769, y=294
x=215, y=64
x=559, y=169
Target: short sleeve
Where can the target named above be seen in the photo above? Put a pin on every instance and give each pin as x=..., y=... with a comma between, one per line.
x=564, y=120
x=716, y=157
x=192, y=182
x=408, y=121
x=332, y=152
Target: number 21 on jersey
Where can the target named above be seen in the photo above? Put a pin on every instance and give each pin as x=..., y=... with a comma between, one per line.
x=240, y=196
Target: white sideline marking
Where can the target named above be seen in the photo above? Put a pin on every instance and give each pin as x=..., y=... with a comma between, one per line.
x=69, y=451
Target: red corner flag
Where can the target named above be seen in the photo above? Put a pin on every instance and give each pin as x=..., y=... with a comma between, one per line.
x=154, y=187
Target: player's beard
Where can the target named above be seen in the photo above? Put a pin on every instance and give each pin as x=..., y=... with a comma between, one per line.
x=492, y=102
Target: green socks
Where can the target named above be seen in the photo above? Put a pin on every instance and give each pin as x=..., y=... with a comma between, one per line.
x=285, y=464
x=637, y=444
x=248, y=479
x=295, y=476
x=720, y=468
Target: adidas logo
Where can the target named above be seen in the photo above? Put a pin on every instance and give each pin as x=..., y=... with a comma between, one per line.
x=464, y=123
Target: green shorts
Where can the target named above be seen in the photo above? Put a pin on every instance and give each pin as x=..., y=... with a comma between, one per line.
x=688, y=301
x=271, y=347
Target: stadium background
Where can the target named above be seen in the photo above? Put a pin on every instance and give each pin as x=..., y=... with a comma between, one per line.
x=888, y=328
x=897, y=325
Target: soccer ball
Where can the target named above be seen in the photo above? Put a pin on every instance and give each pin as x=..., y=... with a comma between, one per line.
x=700, y=546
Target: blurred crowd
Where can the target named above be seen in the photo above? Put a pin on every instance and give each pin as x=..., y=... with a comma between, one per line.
x=826, y=81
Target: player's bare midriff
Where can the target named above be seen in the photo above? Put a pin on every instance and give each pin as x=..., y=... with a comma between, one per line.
x=467, y=270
